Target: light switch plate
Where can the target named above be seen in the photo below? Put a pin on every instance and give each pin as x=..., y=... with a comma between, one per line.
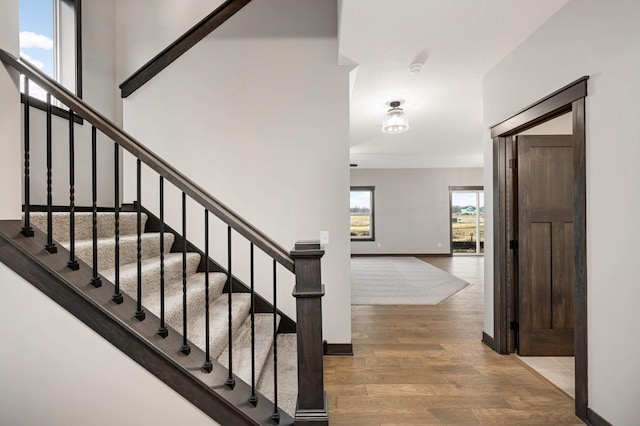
x=324, y=237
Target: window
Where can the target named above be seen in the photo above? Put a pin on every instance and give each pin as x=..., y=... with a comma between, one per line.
x=467, y=219
x=361, y=213
x=49, y=39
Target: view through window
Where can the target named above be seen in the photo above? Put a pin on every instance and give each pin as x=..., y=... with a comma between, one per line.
x=48, y=31
x=36, y=39
x=467, y=220
x=361, y=213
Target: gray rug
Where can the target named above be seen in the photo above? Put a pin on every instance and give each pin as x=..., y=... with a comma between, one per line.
x=400, y=281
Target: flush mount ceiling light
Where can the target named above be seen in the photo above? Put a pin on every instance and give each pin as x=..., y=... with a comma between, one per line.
x=395, y=121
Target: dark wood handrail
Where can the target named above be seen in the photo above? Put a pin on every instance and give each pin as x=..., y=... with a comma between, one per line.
x=151, y=159
x=181, y=45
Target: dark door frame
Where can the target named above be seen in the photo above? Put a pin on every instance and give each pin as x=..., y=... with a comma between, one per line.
x=570, y=98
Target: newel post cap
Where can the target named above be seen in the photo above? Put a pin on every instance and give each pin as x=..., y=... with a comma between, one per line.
x=307, y=249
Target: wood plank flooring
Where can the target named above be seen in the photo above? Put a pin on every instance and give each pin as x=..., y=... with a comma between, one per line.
x=426, y=365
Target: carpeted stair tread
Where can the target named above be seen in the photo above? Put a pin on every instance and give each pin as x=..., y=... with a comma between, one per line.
x=151, y=272
x=128, y=224
x=173, y=298
x=150, y=244
x=242, y=346
x=219, y=322
x=287, y=373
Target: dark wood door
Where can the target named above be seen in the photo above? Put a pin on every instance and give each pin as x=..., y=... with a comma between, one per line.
x=545, y=243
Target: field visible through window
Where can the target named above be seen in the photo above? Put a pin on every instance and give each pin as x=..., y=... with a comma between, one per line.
x=463, y=233
x=360, y=225
x=467, y=221
x=361, y=213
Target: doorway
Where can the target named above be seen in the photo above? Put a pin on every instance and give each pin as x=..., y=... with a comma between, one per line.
x=569, y=99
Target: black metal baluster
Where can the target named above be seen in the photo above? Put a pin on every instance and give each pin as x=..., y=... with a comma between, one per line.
x=139, y=312
x=27, y=230
x=231, y=382
x=117, y=296
x=207, y=366
x=73, y=262
x=253, y=399
x=276, y=414
x=50, y=246
x=185, y=349
x=95, y=280
x=163, y=330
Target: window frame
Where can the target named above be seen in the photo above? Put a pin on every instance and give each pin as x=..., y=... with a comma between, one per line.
x=58, y=12
x=372, y=235
x=56, y=110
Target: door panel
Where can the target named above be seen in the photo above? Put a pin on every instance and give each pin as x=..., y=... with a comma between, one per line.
x=563, y=312
x=540, y=273
x=545, y=224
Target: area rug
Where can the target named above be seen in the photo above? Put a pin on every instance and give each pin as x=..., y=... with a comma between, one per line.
x=400, y=281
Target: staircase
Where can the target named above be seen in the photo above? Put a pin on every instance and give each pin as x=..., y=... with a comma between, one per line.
x=173, y=297
x=160, y=299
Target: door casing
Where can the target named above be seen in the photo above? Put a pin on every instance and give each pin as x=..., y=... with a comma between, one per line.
x=570, y=98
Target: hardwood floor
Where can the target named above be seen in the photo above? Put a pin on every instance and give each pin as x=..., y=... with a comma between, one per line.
x=427, y=365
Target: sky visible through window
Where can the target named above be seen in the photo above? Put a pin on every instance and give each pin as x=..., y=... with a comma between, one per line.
x=361, y=199
x=465, y=199
x=36, y=37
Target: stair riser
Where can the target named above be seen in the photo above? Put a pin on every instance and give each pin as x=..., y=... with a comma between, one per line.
x=242, y=346
x=173, y=300
x=219, y=322
x=150, y=246
x=128, y=224
x=151, y=273
x=287, y=374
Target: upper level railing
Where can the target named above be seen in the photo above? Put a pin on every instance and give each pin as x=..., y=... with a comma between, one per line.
x=303, y=260
x=181, y=45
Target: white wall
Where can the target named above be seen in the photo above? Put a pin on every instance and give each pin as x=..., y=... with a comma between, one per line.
x=55, y=370
x=411, y=208
x=598, y=39
x=257, y=113
x=160, y=22
x=11, y=158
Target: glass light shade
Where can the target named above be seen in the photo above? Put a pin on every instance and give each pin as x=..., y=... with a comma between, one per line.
x=395, y=121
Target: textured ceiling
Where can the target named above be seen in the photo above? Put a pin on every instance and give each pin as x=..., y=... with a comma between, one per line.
x=463, y=39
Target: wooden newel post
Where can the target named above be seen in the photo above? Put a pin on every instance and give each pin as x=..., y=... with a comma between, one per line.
x=312, y=407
